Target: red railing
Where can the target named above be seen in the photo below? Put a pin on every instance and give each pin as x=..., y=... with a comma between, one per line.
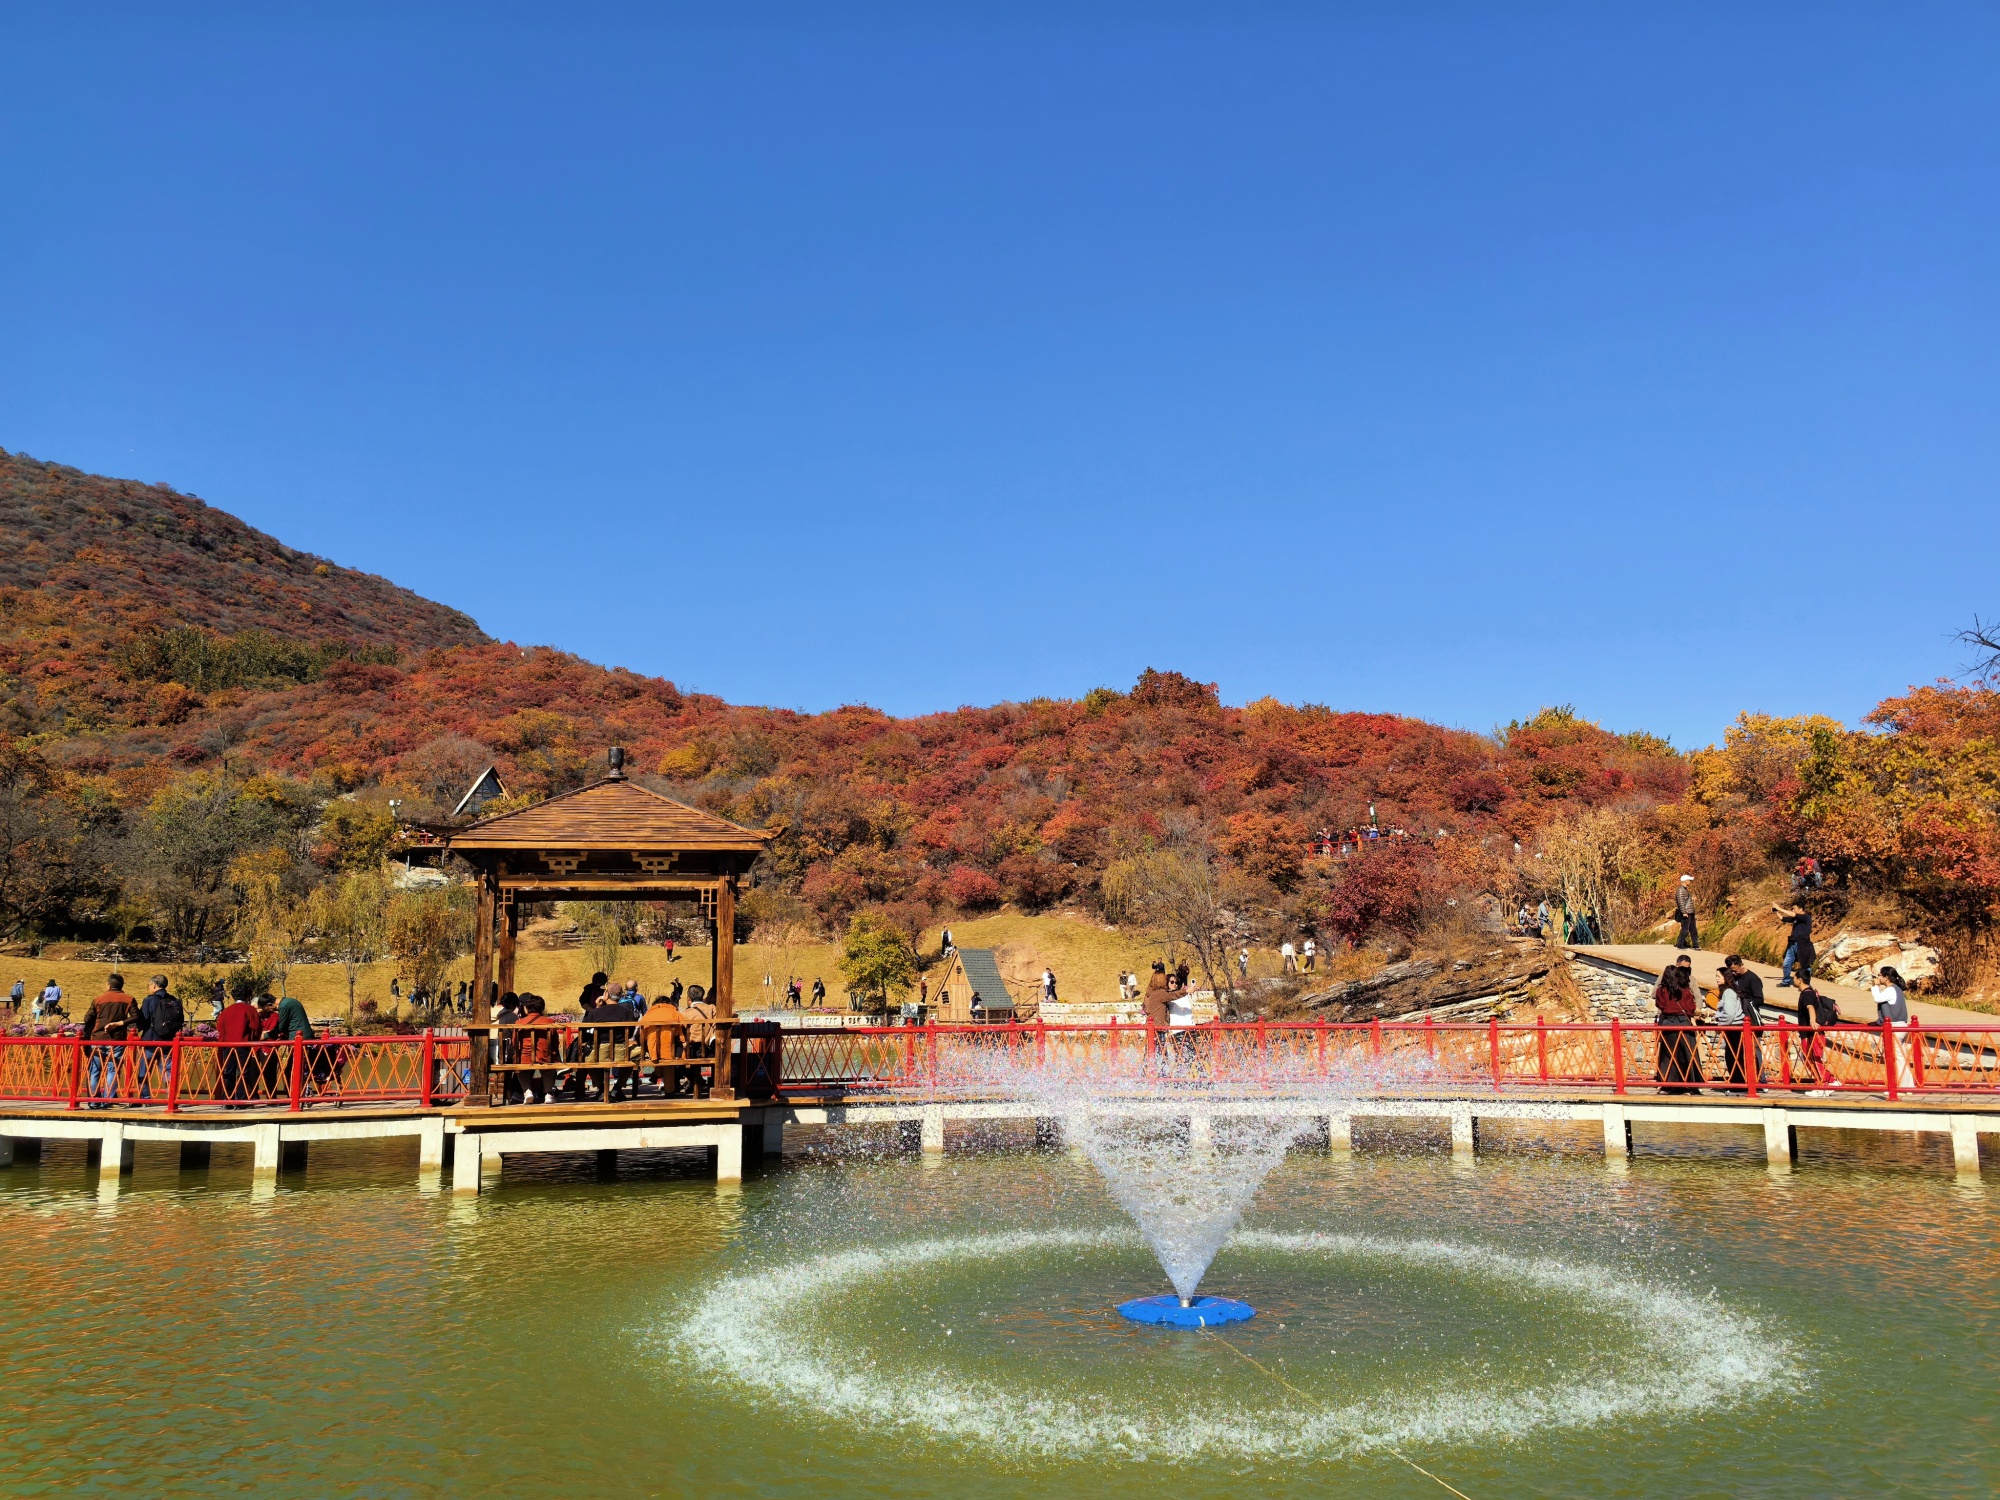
x=1892, y=1062
x=186, y=1073
x=1388, y=1057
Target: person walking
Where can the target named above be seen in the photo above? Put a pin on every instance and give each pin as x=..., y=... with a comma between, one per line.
x=1799, y=948
x=1243, y=963
x=1684, y=914
x=17, y=994
x=1048, y=986
x=1311, y=953
x=1674, y=999
x=1542, y=919
x=161, y=1019
x=110, y=1019
x=1288, y=958
x=49, y=1002
x=945, y=944
x=1816, y=1013
x=818, y=992
x=1892, y=1008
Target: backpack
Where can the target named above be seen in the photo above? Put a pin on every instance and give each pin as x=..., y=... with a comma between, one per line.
x=1825, y=1011
x=168, y=1018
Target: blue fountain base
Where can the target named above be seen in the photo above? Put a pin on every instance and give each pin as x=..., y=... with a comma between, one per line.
x=1207, y=1312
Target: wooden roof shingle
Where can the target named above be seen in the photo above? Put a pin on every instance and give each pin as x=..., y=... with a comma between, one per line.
x=614, y=813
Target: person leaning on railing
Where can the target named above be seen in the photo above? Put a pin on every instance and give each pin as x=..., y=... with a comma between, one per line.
x=109, y=1019
x=1674, y=1000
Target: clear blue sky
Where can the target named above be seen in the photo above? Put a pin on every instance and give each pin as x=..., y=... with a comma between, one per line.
x=1444, y=359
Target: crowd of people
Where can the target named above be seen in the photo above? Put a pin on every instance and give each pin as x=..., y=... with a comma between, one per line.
x=619, y=1043
x=1737, y=1009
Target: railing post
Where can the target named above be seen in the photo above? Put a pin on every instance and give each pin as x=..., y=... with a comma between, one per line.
x=1542, y=1047
x=1749, y=1060
x=130, y=1058
x=1784, y=1052
x=1617, y=1056
x=1916, y=1040
x=1493, y=1047
x=1375, y=1036
x=931, y=1052
x=1430, y=1039
x=75, y=1067
x=1889, y=1058
x=298, y=1071
x=174, y=1074
x=1041, y=1041
x=1320, y=1025
x=429, y=1092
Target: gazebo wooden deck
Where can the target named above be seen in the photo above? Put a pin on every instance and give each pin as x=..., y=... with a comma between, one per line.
x=610, y=841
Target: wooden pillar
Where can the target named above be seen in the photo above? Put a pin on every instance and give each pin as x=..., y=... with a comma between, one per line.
x=482, y=981
x=510, y=926
x=723, y=953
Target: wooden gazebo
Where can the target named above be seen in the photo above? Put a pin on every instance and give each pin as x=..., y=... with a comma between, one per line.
x=610, y=841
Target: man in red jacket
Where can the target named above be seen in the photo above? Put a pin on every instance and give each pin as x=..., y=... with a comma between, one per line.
x=235, y=1027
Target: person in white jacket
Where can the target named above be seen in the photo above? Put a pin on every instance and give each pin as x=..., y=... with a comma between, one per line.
x=1892, y=1004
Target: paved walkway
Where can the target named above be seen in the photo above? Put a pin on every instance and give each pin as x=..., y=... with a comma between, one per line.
x=1856, y=1005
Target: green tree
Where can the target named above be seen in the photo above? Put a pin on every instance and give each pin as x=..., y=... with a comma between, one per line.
x=428, y=929
x=190, y=837
x=350, y=913
x=876, y=958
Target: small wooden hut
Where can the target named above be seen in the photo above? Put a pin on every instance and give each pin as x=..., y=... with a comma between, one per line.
x=969, y=972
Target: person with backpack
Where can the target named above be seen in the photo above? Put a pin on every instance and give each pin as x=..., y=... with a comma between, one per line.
x=161, y=1018
x=1892, y=1008
x=1799, y=948
x=1816, y=1013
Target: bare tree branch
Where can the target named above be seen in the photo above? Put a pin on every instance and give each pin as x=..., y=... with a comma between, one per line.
x=1983, y=637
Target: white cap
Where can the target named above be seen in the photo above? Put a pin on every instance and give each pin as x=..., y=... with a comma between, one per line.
x=1687, y=877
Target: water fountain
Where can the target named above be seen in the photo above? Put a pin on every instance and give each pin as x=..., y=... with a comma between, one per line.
x=1181, y=1152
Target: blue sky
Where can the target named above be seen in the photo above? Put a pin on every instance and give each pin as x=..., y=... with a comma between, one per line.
x=1449, y=360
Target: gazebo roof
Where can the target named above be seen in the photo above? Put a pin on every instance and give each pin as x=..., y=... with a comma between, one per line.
x=614, y=813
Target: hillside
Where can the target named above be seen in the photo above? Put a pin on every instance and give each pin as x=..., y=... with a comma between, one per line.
x=128, y=555
x=182, y=693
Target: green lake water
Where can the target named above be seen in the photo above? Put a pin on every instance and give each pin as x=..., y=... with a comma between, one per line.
x=851, y=1324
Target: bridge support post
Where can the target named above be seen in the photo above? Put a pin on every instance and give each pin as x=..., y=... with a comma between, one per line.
x=1617, y=1134
x=466, y=1164
x=22, y=1149
x=263, y=1151
x=1779, y=1148
x=292, y=1156
x=6, y=1151
x=195, y=1155
x=729, y=1153
x=1965, y=1144
x=932, y=1138
x=1339, y=1134
x=1464, y=1133
x=430, y=1145
x=774, y=1133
